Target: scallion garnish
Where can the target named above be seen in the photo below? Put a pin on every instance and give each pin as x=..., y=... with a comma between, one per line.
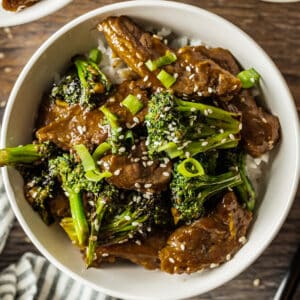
x=95, y=175
x=133, y=104
x=167, y=59
x=86, y=158
x=190, y=167
x=248, y=78
x=95, y=55
x=171, y=149
x=100, y=150
x=111, y=118
x=166, y=79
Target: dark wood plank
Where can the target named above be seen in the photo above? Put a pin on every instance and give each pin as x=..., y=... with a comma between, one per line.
x=276, y=28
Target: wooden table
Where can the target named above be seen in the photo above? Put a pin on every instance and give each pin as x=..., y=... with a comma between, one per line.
x=276, y=27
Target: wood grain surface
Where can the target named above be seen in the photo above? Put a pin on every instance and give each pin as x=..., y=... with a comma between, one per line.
x=275, y=27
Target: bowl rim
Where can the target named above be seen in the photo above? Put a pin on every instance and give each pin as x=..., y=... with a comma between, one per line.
x=62, y=31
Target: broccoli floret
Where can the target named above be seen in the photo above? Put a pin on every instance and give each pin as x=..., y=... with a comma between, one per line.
x=40, y=187
x=26, y=155
x=181, y=128
x=84, y=84
x=190, y=193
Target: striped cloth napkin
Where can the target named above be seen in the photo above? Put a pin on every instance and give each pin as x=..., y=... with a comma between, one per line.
x=33, y=277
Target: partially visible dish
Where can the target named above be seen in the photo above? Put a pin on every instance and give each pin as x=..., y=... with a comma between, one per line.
x=17, y=5
x=11, y=12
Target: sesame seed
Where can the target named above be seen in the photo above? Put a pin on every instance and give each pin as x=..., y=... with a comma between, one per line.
x=137, y=159
x=242, y=240
x=171, y=260
x=221, y=130
x=121, y=137
x=137, y=185
x=187, y=154
x=136, y=120
x=264, y=120
x=240, y=126
x=139, y=96
x=213, y=265
x=209, y=111
x=2, y=55
x=199, y=94
x=166, y=160
x=127, y=218
x=205, y=143
x=140, y=64
x=147, y=185
x=228, y=257
x=144, y=164
x=144, y=157
x=231, y=136
x=138, y=242
x=133, y=147
x=166, y=174
x=146, y=78
x=150, y=163
x=149, y=229
x=182, y=247
x=223, y=141
x=188, y=68
x=210, y=90
x=7, y=70
x=162, y=165
x=205, y=112
x=195, y=88
x=191, y=76
x=252, y=79
x=256, y=282
x=165, y=42
x=122, y=149
x=193, y=109
x=135, y=223
x=117, y=172
x=175, y=75
x=105, y=254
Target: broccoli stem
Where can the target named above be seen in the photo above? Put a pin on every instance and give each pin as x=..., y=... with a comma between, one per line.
x=68, y=226
x=78, y=216
x=95, y=226
x=22, y=154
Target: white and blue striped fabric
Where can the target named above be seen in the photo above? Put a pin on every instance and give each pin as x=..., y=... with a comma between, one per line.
x=33, y=277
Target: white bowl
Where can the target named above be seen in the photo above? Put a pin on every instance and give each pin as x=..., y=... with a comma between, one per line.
x=34, y=12
x=126, y=280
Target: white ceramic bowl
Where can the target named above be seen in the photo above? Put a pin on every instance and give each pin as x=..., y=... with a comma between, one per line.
x=34, y=12
x=126, y=280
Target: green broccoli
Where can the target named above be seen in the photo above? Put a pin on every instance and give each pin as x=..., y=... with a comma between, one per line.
x=191, y=188
x=84, y=83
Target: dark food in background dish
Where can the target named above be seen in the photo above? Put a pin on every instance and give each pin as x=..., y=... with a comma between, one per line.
x=150, y=211
x=15, y=5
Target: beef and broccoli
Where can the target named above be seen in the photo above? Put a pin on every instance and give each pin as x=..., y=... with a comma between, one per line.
x=151, y=170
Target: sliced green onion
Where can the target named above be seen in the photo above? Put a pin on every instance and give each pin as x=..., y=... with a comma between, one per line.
x=111, y=118
x=95, y=175
x=100, y=150
x=171, y=149
x=166, y=79
x=86, y=158
x=195, y=167
x=248, y=78
x=68, y=226
x=167, y=59
x=95, y=55
x=133, y=104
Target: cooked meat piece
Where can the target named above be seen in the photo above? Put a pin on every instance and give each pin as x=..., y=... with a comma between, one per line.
x=67, y=126
x=197, y=75
x=137, y=173
x=145, y=254
x=208, y=241
x=15, y=5
x=59, y=205
x=122, y=91
x=132, y=44
x=201, y=76
x=260, y=130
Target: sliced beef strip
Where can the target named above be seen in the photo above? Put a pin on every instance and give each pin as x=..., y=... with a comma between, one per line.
x=114, y=103
x=145, y=254
x=261, y=130
x=195, y=72
x=137, y=173
x=208, y=241
x=67, y=126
